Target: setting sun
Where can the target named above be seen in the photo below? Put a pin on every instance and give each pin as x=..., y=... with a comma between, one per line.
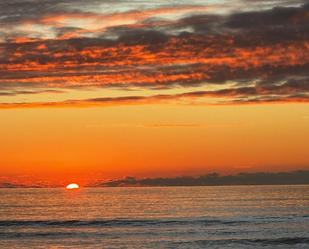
x=72, y=186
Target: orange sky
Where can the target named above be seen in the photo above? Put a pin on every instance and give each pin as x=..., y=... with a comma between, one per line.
x=152, y=140
x=92, y=91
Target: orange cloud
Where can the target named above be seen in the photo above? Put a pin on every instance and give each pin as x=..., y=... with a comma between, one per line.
x=218, y=49
x=136, y=64
x=97, y=22
x=244, y=95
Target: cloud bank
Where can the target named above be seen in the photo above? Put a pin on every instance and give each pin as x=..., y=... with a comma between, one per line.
x=214, y=179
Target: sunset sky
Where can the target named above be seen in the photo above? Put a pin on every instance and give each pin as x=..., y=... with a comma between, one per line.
x=100, y=89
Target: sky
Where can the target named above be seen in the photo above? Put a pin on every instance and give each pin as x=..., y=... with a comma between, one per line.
x=103, y=89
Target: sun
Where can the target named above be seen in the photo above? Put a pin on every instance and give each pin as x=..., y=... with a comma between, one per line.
x=72, y=186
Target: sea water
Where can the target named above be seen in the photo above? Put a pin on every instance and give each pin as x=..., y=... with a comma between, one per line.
x=237, y=217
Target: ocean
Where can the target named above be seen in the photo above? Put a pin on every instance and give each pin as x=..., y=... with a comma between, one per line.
x=235, y=217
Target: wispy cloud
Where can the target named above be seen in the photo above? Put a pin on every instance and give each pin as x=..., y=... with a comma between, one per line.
x=241, y=95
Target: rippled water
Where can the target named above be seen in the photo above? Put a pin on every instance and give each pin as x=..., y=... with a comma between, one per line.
x=173, y=217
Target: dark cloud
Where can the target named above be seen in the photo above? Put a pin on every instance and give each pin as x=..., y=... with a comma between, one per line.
x=276, y=17
x=264, y=52
x=18, y=185
x=240, y=95
x=214, y=179
x=14, y=11
x=26, y=92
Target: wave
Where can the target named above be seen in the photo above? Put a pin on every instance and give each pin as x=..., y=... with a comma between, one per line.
x=146, y=222
x=81, y=235
x=286, y=241
x=117, y=222
x=262, y=242
x=142, y=222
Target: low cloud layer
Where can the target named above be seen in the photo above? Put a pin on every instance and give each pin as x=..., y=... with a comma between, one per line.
x=214, y=179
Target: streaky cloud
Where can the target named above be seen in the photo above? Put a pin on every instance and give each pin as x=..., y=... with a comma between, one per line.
x=215, y=179
x=264, y=53
x=241, y=95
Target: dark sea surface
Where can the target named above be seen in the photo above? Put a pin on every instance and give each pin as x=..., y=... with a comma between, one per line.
x=235, y=217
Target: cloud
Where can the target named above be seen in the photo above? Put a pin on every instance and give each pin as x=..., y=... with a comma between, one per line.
x=241, y=95
x=214, y=179
x=18, y=185
x=264, y=52
x=26, y=92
